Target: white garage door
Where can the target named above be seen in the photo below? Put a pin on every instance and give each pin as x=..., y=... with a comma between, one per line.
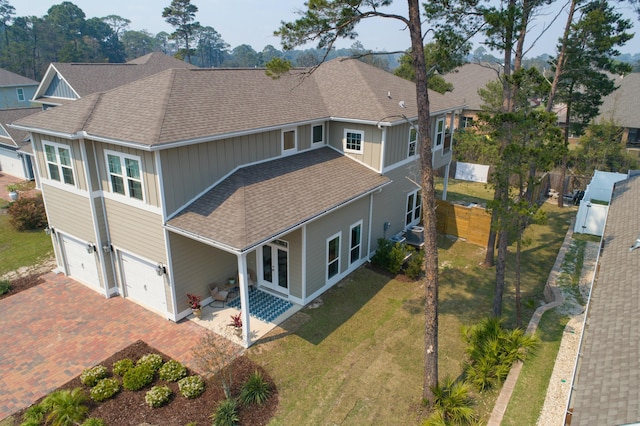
x=142, y=283
x=10, y=163
x=80, y=265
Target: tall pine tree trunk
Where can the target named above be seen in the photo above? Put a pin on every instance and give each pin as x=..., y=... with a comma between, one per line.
x=428, y=206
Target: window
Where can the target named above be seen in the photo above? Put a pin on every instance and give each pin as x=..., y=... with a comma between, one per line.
x=353, y=140
x=59, y=163
x=413, y=139
x=288, y=141
x=439, y=136
x=466, y=122
x=317, y=134
x=125, y=176
x=333, y=256
x=355, y=242
x=20, y=93
x=414, y=207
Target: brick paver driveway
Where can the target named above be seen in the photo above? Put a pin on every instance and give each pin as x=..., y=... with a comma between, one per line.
x=50, y=333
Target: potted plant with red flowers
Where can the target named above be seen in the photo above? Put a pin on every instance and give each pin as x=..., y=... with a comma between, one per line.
x=194, y=303
x=236, y=323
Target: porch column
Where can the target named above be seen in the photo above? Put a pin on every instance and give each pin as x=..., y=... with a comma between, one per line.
x=243, y=284
x=446, y=180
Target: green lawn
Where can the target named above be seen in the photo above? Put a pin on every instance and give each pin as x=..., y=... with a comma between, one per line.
x=18, y=249
x=358, y=358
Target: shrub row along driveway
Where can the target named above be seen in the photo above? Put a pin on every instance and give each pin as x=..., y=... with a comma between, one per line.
x=50, y=333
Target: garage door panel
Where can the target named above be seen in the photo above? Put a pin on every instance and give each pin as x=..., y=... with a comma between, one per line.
x=81, y=265
x=142, y=283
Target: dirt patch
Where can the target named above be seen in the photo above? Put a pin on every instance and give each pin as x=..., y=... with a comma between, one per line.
x=130, y=408
x=25, y=278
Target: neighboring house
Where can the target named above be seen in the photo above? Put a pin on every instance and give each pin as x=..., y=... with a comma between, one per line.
x=16, y=154
x=607, y=379
x=160, y=187
x=466, y=81
x=66, y=82
x=16, y=91
x=622, y=107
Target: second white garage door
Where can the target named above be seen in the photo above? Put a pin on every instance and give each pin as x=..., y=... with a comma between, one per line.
x=142, y=283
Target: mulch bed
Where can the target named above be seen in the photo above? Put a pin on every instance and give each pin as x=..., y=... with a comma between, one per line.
x=21, y=284
x=130, y=408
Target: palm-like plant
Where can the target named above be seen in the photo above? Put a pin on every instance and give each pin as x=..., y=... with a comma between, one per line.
x=452, y=404
x=66, y=407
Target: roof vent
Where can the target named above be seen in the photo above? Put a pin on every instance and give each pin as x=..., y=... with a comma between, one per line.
x=635, y=245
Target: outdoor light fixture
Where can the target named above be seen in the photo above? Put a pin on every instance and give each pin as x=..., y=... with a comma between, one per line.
x=47, y=230
x=90, y=247
x=161, y=269
x=106, y=248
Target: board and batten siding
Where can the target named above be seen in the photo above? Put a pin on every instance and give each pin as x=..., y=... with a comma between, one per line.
x=148, y=166
x=390, y=204
x=136, y=231
x=323, y=228
x=371, y=145
x=396, y=144
x=189, y=170
x=69, y=212
x=76, y=156
x=195, y=266
x=294, y=239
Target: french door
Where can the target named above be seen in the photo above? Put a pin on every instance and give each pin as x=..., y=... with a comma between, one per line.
x=275, y=266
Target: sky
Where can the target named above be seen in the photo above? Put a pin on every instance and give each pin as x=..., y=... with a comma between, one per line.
x=253, y=22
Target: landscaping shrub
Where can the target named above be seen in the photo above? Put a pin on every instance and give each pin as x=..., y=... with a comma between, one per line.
x=91, y=376
x=191, y=386
x=452, y=404
x=381, y=256
x=137, y=377
x=492, y=350
x=158, y=396
x=226, y=414
x=154, y=361
x=93, y=421
x=104, y=389
x=34, y=415
x=255, y=390
x=5, y=286
x=172, y=371
x=27, y=213
x=396, y=258
x=414, y=266
x=389, y=255
x=122, y=366
x=66, y=407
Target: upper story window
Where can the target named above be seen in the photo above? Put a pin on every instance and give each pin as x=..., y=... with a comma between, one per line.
x=59, y=162
x=438, y=138
x=353, y=140
x=125, y=176
x=289, y=141
x=317, y=134
x=20, y=93
x=413, y=141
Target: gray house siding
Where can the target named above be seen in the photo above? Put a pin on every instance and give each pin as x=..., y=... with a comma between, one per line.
x=69, y=212
x=9, y=96
x=371, y=145
x=76, y=156
x=189, y=170
x=396, y=144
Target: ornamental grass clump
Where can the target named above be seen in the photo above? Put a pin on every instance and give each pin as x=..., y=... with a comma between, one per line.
x=191, y=386
x=34, y=415
x=91, y=376
x=105, y=389
x=66, y=407
x=154, y=361
x=256, y=390
x=122, y=366
x=226, y=414
x=172, y=371
x=158, y=396
x=137, y=377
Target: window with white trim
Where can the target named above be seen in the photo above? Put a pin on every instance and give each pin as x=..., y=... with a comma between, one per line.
x=466, y=122
x=59, y=162
x=289, y=141
x=317, y=134
x=20, y=93
x=125, y=174
x=355, y=242
x=353, y=140
x=414, y=208
x=413, y=141
x=333, y=256
x=439, y=134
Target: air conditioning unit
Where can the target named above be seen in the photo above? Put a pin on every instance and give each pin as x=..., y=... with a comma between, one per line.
x=415, y=236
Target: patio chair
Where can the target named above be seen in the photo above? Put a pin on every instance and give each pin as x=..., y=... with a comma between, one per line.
x=219, y=296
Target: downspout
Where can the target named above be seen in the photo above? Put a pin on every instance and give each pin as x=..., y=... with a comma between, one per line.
x=370, y=226
x=94, y=216
x=382, y=146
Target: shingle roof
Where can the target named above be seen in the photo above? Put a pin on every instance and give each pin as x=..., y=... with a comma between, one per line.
x=257, y=203
x=623, y=104
x=87, y=78
x=607, y=390
x=9, y=116
x=8, y=78
x=468, y=78
x=181, y=104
